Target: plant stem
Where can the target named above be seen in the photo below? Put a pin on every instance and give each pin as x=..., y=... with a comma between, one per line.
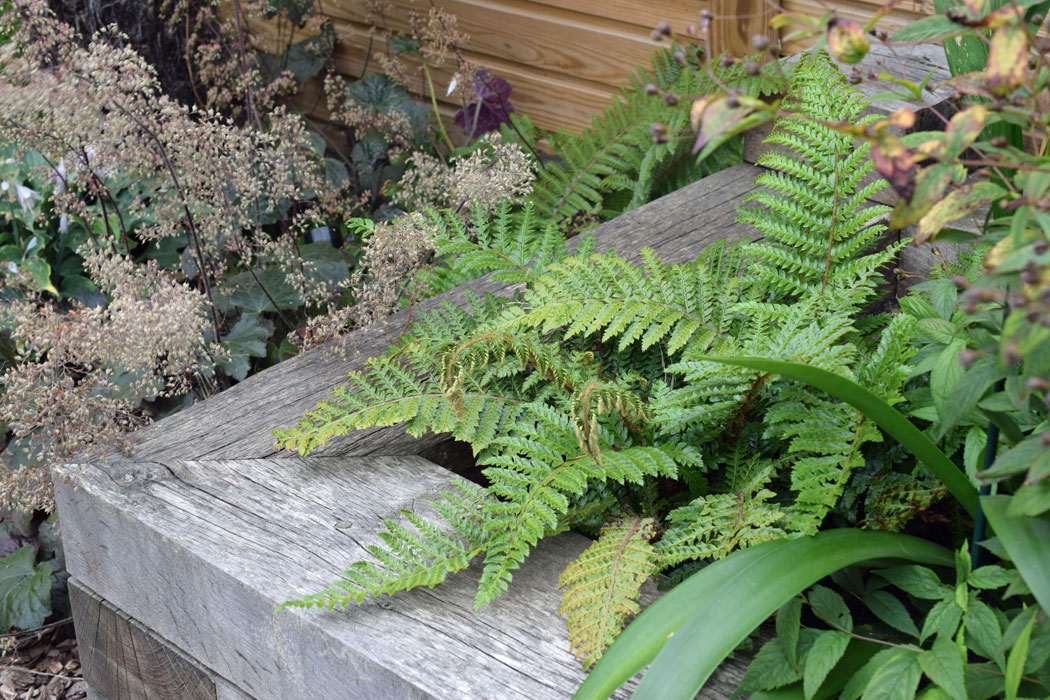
x=434, y=104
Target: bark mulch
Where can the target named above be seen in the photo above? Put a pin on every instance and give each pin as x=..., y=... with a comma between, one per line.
x=42, y=664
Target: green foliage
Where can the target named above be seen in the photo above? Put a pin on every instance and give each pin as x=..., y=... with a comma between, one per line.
x=412, y=555
x=603, y=371
x=733, y=596
x=602, y=586
x=811, y=205
x=513, y=245
x=965, y=648
x=25, y=590
x=615, y=165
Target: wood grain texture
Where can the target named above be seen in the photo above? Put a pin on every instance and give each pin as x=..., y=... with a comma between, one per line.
x=737, y=22
x=203, y=552
x=239, y=422
x=565, y=59
x=121, y=659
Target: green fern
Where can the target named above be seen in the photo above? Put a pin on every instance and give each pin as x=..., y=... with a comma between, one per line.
x=712, y=526
x=419, y=554
x=512, y=245
x=603, y=585
x=594, y=387
x=812, y=206
x=614, y=165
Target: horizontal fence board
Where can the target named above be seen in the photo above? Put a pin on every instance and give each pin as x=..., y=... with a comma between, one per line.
x=642, y=14
x=551, y=101
x=552, y=41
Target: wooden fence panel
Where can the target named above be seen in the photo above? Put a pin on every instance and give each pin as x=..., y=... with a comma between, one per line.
x=566, y=59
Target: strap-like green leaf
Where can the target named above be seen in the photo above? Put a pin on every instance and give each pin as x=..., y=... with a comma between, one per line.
x=699, y=622
x=1026, y=541
x=887, y=418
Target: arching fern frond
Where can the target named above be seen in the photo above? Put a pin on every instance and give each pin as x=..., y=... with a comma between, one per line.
x=610, y=298
x=416, y=553
x=602, y=586
x=614, y=165
x=513, y=245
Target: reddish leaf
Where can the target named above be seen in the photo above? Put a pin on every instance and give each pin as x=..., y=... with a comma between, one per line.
x=895, y=163
x=1007, y=60
x=962, y=202
x=846, y=40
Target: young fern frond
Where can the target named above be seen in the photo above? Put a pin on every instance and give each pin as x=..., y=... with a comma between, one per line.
x=535, y=475
x=419, y=553
x=712, y=526
x=602, y=586
x=810, y=207
x=514, y=246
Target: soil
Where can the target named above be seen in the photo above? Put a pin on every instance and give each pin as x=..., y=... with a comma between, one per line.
x=42, y=664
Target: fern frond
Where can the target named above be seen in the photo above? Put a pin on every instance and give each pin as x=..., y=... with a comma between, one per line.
x=536, y=473
x=671, y=304
x=602, y=586
x=513, y=245
x=712, y=526
x=615, y=166
x=810, y=205
x=400, y=387
x=419, y=553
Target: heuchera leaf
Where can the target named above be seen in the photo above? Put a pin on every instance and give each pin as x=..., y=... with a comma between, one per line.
x=25, y=590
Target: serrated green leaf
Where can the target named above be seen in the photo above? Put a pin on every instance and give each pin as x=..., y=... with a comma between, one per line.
x=770, y=669
x=918, y=581
x=983, y=626
x=826, y=651
x=897, y=678
x=1015, y=662
x=788, y=622
x=890, y=610
x=830, y=607
x=989, y=577
x=943, y=664
x=943, y=619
